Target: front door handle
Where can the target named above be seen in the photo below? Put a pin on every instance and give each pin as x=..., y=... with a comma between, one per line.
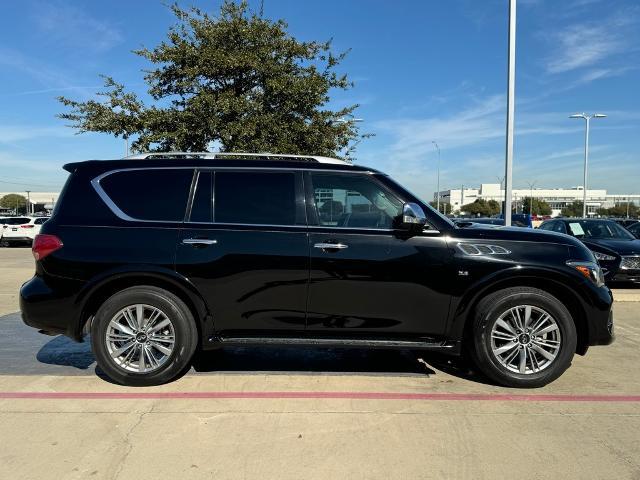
x=331, y=246
x=199, y=241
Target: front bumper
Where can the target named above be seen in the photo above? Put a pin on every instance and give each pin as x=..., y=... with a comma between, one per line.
x=599, y=317
x=624, y=275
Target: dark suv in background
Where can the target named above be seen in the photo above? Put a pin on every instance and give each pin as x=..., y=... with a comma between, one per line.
x=163, y=254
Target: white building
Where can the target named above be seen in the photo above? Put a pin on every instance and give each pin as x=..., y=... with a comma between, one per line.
x=557, y=198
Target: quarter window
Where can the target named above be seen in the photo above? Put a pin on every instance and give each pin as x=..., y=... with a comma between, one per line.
x=257, y=198
x=159, y=194
x=353, y=201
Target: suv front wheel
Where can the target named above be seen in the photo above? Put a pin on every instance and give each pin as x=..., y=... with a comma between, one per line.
x=143, y=336
x=523, y=337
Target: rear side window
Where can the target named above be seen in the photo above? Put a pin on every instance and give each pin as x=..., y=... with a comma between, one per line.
x=262, y=198
x=159, y=194
x=40, y=221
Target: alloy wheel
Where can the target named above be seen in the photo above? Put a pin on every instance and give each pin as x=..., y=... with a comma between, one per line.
x=525, y=339
x=140, y=338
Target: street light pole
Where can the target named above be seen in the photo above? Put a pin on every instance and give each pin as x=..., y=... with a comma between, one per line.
x=438, y=181
x=531, y=185
x=28, y=202
x=511, y=91
x=587, y=118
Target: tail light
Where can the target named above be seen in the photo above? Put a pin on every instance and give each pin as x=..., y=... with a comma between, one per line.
x=44, y=245
x=26, y=226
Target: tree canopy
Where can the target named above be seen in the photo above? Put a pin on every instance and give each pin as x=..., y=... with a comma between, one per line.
x=13, y=200
x=482, y=207
x=574, y=209
x=235, y=79
x=540, y=207
x=620, y=210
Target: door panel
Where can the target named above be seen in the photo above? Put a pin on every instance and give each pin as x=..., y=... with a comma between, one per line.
x=253, y=274
x=252, y=280
x=382, y=282
x=379, y=285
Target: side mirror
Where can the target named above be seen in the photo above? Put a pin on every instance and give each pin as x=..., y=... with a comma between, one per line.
x=413, y=217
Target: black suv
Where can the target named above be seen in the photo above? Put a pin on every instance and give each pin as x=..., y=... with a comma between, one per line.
x=161, y=255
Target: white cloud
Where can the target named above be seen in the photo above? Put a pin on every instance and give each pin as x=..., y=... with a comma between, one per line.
x=18, y=133
x=73, y=27
x=589, y=44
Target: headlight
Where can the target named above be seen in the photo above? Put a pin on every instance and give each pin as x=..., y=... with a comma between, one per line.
x=589, y=270
x=603, y=256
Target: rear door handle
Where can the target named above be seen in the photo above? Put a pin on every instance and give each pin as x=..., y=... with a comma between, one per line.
x=199, y=241
x=331, y=246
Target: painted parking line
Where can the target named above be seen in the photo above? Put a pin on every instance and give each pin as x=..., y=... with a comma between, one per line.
x=317, y=395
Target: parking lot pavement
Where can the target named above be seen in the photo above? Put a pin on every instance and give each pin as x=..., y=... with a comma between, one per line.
x=295, y=413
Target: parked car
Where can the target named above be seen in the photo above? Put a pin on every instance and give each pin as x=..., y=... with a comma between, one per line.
x=159, y=255
x=22, y=230
x=635, y=229
x=615, y=248
x=517, y=220
x=7, y=223
x=625, y=222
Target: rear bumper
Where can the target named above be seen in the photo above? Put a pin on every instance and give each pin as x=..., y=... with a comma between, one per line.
x=53, y=310
x=10, y=239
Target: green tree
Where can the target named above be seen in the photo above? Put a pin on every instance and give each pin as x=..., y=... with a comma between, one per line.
x=233, y=78
x=14, y=201
x=574, y=209
x=620, y=210
x=540, y=207
x=482, y=207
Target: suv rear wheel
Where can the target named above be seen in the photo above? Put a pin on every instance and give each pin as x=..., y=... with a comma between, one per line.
x=523, y=337
x=143, y=336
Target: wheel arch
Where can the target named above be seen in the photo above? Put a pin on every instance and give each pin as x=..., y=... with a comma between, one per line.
x=560, y=287
x=95, y=294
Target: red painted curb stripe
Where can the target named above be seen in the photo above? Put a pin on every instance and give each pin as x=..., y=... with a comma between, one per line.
x=316, y=395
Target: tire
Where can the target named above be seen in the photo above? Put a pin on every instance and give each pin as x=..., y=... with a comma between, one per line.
x=167, y=351
x=492, y=348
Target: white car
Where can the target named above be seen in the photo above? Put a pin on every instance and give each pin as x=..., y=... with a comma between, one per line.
x=20, y=229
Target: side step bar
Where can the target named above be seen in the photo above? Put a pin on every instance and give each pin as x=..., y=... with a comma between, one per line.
x=338, y=342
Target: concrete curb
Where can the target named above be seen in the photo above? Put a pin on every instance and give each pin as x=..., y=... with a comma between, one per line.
x=620, y=295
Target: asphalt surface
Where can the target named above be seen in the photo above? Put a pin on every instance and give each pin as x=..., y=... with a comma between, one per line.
x=291, y=413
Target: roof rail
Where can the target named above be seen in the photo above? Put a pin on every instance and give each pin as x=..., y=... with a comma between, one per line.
x=237, y=155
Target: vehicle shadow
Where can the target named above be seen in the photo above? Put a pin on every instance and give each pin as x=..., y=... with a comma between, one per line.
x=334, y=361
x=64, y=352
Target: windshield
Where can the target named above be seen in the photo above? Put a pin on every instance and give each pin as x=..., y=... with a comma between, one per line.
x=598, y=229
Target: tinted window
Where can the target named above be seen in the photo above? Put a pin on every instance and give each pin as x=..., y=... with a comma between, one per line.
x=202, y=208
x=265, y=198
x=559, y=227
x=16, y=221
x=150, y=194
x=40, y=221
x=600, y=229
x=354, y=201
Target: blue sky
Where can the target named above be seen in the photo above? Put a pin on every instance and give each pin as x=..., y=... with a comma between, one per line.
x=424, y=70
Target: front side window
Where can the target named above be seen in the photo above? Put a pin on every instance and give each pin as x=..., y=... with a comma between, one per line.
x=154, y=194
x=353, y=201
x=255, y=198
x=559, y=227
